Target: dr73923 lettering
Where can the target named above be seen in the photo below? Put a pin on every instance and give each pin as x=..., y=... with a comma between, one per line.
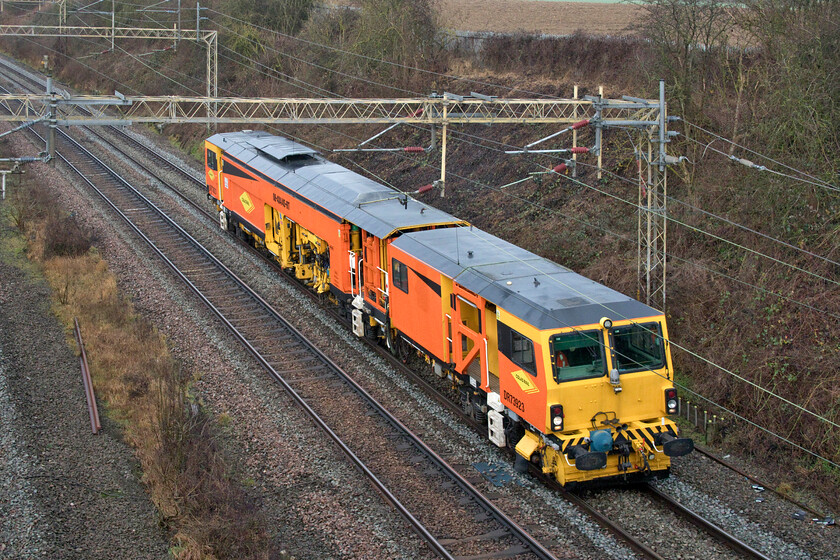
x=514, y=401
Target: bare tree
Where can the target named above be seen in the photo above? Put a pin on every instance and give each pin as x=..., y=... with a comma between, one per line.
x=687, y=35
x=404, y=32
x=286, y=16
x=800, y=43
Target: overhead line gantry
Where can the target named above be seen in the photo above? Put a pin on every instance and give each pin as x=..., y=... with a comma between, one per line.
x=209, y=39
x=648, y=116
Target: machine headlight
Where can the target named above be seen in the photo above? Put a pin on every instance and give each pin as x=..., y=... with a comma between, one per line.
x=671, y=400
x=556, y=413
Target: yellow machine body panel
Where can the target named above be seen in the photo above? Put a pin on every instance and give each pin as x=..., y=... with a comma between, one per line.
x=608, y=380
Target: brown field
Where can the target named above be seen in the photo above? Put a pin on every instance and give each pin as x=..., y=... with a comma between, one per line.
x=532, y=16
x=552, y=18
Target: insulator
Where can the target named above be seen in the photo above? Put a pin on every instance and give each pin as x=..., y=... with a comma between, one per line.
x=425, y=188
x=580, y=124
x=414, y=149
x=418, y=112
x=748, y=163
x=580, y=150
x=560, y=168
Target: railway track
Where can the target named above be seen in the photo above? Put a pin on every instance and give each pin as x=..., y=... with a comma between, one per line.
x=313, y=381
x=708, y=527
x=314, y=373
x=633, y=542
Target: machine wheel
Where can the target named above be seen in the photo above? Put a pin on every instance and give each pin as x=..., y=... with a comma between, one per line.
x=343, y=312
x=371, y=331
x=391, y=343
x=403, y=350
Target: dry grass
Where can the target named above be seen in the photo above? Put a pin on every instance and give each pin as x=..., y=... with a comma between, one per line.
x=147, y=393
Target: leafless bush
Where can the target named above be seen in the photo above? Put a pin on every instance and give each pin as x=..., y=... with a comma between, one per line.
x=28, y=203
x=65, y=237
x=214, y=514
x=579, y=57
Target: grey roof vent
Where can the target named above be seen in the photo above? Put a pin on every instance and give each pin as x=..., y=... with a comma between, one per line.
x=292, y=160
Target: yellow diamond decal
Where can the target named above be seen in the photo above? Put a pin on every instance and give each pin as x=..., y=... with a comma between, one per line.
x=246, y=202
x=211, y=174
x=525, y=382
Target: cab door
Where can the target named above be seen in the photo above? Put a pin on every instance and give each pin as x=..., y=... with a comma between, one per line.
x=212, y=168
x=469, y=340
x=373, y=276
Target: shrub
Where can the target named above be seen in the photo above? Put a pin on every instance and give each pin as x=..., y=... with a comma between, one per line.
x=63, y=236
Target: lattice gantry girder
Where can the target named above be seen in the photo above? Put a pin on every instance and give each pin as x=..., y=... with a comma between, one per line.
x=220, y=110
x=209, y=38
x=22, y=107
x=106, y=32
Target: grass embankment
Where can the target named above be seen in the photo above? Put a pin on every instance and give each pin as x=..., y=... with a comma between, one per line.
x=144, y=389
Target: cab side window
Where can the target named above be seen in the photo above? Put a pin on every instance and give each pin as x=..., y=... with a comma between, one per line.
x=577, y=355
x=518, y=348
x=211, y=160
x=399, y=275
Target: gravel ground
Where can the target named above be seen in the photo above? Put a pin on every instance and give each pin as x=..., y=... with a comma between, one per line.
x=64, y=493
x=317, y=506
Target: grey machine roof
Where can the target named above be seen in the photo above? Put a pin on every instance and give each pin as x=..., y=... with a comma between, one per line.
x=537, y=290
x=373, y=207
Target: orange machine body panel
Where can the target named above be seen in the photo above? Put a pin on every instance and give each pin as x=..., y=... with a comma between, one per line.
x=259, y=174
x=522, y=391
x=415, y=308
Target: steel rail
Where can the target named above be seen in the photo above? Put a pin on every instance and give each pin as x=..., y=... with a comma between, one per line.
x=634, y=543
x=429, y=389
x=706, y=452
x=90, y=396
x=715, y=531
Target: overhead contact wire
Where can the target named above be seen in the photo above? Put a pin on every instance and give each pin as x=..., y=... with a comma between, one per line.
x=733, y=143
x=566, y=216
x=697, y=355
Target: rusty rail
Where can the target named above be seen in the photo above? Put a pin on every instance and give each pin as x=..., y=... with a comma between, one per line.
x=88, y=382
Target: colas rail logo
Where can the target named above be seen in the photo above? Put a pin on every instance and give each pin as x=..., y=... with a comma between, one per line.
x=525, y=382
x=246, y=202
